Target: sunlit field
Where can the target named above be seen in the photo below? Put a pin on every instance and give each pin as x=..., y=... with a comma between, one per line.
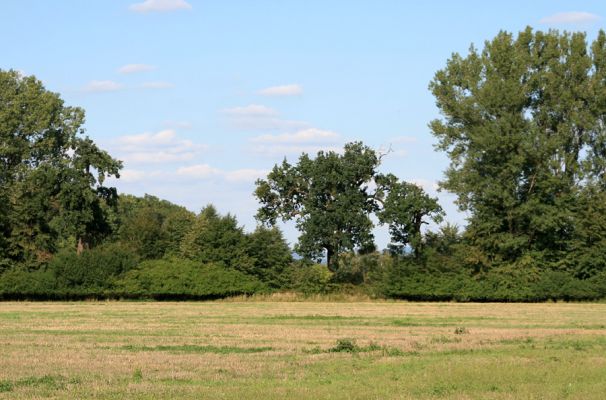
x=302, y=350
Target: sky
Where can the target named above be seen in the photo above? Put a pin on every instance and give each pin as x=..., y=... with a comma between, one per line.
x=201, y=98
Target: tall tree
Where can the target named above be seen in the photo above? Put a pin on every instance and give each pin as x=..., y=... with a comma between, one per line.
x=327, y=196
x=406, y=209
x=51, y=178
x=215, y=238
x=524, y=126
x=332, y=196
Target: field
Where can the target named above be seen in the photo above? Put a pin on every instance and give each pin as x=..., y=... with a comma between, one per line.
x=302, y=350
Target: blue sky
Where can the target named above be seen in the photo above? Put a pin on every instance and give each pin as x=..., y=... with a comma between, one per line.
x=199, y=98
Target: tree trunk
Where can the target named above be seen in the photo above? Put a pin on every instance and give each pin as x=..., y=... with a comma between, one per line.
x=80, y=247
x=330, y=259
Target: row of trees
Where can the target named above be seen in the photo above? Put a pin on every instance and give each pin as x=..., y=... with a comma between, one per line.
x=523, y=123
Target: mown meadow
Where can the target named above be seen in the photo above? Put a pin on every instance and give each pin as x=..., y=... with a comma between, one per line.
x=240, y=349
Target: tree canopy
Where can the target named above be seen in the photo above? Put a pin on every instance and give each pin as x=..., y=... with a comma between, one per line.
x=51, y=176
x=332, y=196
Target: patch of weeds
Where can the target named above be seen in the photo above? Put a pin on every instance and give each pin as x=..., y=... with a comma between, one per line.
x=313, y=350
x=405, y=322
x=443, y=389
x=345, y=346
x=394, y=352
x=190, y=348
x=445, y=339
x=55, y=382
x=350, y=346
x=138, y=375
x=6, y=386
x=461, y=330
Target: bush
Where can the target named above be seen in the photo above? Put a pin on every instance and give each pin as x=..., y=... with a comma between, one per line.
x=94, y=270
x=21, y=283
x=185, y=279
x=310, y=279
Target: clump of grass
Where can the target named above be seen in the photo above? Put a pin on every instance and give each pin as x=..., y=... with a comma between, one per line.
x=345, y=346
x=461, y=330
x=6, y=386
x=445, y=339
x=48, y=381
x=138, y=375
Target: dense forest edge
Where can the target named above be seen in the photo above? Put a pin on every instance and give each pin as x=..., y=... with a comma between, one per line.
x=523, y=122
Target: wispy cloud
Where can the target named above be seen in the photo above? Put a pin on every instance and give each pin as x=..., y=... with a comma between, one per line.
x=283, y=90
x=309, y=141
x=258, y=117
x=160, y=6
x=572, y=17
x=311, y=135
x=157, y=85
x=102, y=86
x=160, y=147
x=134, y=68
x=205, y=171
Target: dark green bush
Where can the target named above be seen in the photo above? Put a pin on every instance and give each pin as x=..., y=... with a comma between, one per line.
x=93, y=270
x=185, y=279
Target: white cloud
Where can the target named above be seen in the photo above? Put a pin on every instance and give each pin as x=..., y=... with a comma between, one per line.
x=311, y=135
x=131, y=175
x=205, y=171
x=245, y=175
x=160, y=6
x=134, y=68
x=427, y=185
x=157, y=85
x=573, y=17
x=258, y=117
x=102, y=86
x=160, y=147
x=309, y=140
x=294, y=149
x=283, y=90
x=198, y=171
x=253, y=110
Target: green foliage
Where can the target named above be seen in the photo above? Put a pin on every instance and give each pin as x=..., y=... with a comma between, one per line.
x=330, y=200
x=151, y=226
x=217, y=239
x=270, y=255
x=523, y=127
x=506, y=283
x=405, y=208
x=21, y=283
x=93, y=270
x=345, y=346
x=185, y=279
x=51, y=179
x=327, y=197
x=310, y=279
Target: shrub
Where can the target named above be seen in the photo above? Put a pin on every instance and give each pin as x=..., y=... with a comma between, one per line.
x=93, y=270
x=345, y=346
x=310, y=279
x=185, y=279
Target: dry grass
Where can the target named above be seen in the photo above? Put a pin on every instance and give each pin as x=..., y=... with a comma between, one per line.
x=245, y=349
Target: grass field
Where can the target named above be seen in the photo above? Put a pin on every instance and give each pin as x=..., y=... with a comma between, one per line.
x=302, y=350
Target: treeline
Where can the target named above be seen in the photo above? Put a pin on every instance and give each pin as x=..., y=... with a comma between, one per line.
x=523, y=123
